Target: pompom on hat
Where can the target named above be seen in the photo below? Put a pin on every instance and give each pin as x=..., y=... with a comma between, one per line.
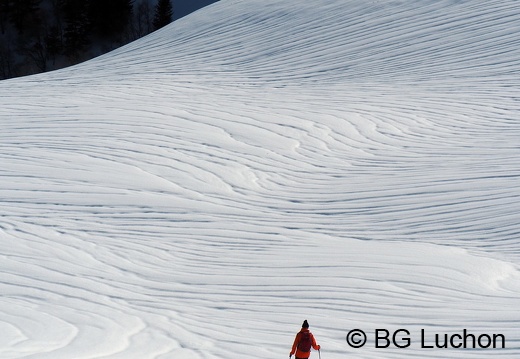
x=305, y=324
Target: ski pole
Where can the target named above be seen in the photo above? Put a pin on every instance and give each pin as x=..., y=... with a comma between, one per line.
x=319, y=353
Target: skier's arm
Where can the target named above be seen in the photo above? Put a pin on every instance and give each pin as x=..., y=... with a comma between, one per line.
x=295, y=344
x=314, y=345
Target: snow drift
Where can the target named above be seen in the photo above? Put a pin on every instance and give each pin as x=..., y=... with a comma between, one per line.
x=200, y=192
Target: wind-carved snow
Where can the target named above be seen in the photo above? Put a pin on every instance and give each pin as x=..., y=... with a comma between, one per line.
x=200, y=192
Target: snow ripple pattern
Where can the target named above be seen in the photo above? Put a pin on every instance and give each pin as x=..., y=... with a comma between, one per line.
x=201, y=191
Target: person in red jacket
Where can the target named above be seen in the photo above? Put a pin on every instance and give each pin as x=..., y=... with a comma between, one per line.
x=303, y=342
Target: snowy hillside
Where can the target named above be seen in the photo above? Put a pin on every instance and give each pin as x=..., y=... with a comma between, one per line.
x=200, y=192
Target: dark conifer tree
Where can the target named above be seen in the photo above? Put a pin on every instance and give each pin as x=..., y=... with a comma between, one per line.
x=24, y=14
x=163, y=14
x=7, y=61
x=109, y=18
x=77, y=26
x=53, y=43
x=5, y=13
x=38, y=35
x=142, y=19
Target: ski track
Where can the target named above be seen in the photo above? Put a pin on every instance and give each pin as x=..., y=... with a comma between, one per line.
x=201, y=191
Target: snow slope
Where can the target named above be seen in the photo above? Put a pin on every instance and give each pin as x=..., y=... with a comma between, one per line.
x=200, y=192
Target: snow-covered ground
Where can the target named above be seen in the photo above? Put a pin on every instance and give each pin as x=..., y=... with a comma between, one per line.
x=202, y=191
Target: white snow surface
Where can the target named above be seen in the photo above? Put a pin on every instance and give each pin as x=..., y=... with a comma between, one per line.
x=200, y=192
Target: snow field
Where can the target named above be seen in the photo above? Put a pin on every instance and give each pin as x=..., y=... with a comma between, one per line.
x=200, y=192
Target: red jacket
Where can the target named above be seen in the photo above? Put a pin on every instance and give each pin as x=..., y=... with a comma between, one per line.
x=299, y=353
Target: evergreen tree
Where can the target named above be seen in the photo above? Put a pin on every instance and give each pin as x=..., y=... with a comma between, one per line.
x=109, y=18
x=77, y=26
x=35, y=52
x=39, y=35
x=53, y=43
x=5, y=12
x=24, y=14
x=141, y=24
x=163, y=14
